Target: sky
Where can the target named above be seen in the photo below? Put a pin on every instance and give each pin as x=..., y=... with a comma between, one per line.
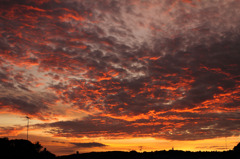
x=105, y=75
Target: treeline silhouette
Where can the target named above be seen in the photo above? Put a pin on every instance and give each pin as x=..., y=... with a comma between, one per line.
x=171, y=154
x=24, y=149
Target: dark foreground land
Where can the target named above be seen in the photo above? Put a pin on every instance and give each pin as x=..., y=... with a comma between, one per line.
x=155, y=155
x=24, y=149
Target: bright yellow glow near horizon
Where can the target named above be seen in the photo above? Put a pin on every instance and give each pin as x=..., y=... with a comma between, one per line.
x=129, y=144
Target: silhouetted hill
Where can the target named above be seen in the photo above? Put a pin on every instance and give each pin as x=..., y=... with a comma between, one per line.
x=22, y=149
x=237, y=148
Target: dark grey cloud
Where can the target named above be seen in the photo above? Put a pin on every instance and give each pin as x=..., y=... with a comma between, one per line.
x=212, y=147
x=21, y=104
x=174, y=126
x=88, y=145
x=33, y=104
x=58, y=142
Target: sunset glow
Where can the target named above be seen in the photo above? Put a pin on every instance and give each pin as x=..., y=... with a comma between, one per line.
x=106, y=75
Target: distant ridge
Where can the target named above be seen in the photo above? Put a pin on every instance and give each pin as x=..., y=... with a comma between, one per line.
x=171, y=154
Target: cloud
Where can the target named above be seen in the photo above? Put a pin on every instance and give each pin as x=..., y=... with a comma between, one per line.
x=170, y=125
x=88, y=145
x=58, y=142
x=149, y=65
x=10, y=131
x=28, y=103
x=212, y=147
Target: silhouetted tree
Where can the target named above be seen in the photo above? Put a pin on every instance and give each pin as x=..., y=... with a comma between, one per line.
x=4, y=146
x=38, y=146
x=22, y=149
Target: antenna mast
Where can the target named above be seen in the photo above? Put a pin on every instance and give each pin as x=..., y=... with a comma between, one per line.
x=27, y=125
